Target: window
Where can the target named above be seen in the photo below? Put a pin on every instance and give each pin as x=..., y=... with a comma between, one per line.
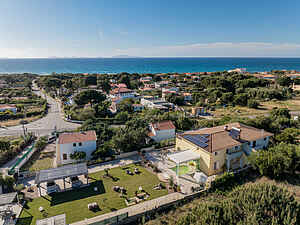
x=236, y=147
x=254, y=144
x=216, y=153
x=216, y=165
x=65, y=156
x=74, y=144
x=265, y=139
x=80, y=144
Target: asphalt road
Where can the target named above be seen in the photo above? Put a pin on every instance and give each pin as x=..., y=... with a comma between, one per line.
x=45, y=125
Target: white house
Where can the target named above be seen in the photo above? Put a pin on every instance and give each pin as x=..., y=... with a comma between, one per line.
x=162, y=131
x=122, y=93
x=156, y=103
x=68, y=143
x=11, y=108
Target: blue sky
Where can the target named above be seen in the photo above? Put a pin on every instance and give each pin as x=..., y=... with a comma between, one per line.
x=105, y=28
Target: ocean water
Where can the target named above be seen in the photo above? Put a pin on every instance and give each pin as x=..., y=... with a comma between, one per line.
x=144, y=65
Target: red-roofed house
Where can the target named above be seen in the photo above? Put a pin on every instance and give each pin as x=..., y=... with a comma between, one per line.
x=122, y=93
x=162, y=131
x=68, y=143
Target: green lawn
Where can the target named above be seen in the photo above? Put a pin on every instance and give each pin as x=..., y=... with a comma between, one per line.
x=183, y=169
x=74, y=203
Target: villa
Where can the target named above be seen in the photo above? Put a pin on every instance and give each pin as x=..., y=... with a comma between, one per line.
x=122, y=93
x=156, y=103
x=68, y=143
x=162, y=131
x=222, y=148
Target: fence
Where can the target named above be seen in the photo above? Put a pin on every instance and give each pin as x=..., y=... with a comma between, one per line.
x=113, y=220
x=21, y=161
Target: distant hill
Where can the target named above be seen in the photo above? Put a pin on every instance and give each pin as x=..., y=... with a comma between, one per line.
x=125, y=56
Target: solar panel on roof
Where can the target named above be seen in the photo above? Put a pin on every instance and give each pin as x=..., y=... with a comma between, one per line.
x=196, y=139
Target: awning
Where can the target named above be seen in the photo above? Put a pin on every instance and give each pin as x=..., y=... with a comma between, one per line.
x=61, y=172
x=184, y=156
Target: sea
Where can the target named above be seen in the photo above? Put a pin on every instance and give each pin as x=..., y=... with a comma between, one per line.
x=144, y=65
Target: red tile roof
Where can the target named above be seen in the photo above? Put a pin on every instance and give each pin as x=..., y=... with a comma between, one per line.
x=219, y=139
x=7, y=106
x=66, y=138
x=121, y=90
x=163, y=125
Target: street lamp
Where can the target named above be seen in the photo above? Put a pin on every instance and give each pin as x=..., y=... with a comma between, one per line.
x=23, y=122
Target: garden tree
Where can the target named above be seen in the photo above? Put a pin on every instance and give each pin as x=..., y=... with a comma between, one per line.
x=240, y=99
x=129, y=139
x=226, y=97
x=90, y=80
x=105, y=85
x=280, y=112
x=78, y=155
x=126, y=105
x=122, y=116
x=284, y=80
x=50, y=82
x=288, y=135
x=252, y=103
x=125, y=79
x=103, y=151
x=84, y=114
x=41, y=143
x=184, y=123
x=89, y=96
x=104, y=133
x=4, y=145
x=247, y=205
x=175, y=99
x=277, y=161
x=102, y=109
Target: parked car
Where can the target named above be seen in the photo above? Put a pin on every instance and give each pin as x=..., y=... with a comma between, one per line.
x=52, y=187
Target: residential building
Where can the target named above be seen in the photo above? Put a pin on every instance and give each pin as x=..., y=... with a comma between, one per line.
x=156, y=103
x=223, y=148
x=68, y=143
x=11, y=108
x=137, y=107
x=162, y=131
x=170, y=89
x=145, y=79
x=122, y=93
x=161, y=84
x=187, y=96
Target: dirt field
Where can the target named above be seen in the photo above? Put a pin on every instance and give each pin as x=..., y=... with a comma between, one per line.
x=41, y=160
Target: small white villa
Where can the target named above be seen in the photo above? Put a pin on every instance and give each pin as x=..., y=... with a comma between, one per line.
x=162, y=131
x=68, y=143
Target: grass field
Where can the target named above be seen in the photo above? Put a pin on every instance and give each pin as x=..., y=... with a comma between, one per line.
x=74, y=203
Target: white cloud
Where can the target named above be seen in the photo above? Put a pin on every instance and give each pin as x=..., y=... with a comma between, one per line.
x=218, y=49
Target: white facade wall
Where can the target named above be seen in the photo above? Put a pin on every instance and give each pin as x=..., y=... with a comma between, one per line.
x=160, y=135
x=88, y=147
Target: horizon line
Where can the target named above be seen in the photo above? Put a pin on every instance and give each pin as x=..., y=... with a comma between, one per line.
x=136, y=57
